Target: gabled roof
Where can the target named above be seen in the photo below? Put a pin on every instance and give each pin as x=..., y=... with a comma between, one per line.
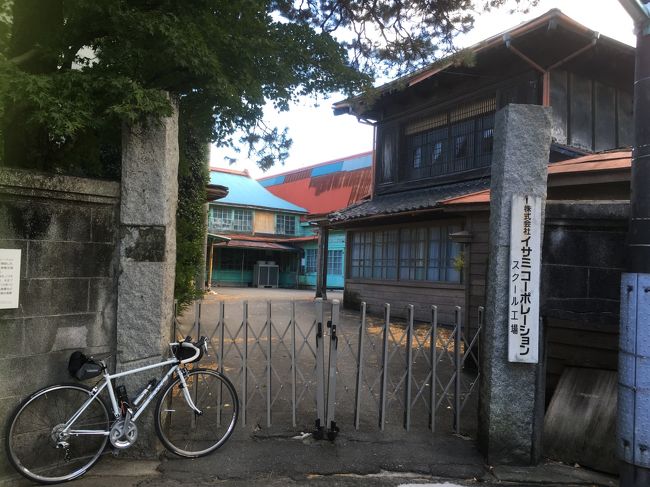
x=325, y=187
x=524, y=32
x=245, y=191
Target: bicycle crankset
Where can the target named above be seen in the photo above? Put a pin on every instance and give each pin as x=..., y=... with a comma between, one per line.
x=123, y=434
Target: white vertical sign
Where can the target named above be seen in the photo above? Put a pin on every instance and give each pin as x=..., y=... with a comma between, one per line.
x=9, y=278
x=525, y=263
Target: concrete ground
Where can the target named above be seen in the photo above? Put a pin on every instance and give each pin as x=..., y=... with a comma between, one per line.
x=282, y=455
x=262, y=294
x=394, y=459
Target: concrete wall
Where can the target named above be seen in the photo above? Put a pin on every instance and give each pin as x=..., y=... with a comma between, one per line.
x=67, y=230
x=584, y=255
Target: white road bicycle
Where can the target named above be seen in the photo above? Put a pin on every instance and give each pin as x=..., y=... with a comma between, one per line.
x=58, y=433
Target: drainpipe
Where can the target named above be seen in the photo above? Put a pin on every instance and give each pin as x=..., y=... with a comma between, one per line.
x=633, y=442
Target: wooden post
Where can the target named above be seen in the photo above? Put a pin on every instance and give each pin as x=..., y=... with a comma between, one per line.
x=321, y=276
x=210, y=266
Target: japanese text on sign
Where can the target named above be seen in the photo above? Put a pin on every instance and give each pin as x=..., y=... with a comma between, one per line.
x=525, y=260
x=9, y=278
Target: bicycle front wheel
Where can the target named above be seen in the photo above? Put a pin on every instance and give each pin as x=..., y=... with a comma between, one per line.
x=184, y=431
x=36, y=445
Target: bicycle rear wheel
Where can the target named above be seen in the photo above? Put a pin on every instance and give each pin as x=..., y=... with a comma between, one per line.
x=185, y=432
x=33, y=434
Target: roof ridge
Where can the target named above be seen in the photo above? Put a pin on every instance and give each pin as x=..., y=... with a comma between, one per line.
x=230, y=171
x=318, y=164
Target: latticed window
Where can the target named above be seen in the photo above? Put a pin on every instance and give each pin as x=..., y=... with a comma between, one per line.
x=311, y=264
x=242, y=220
x=285, y=224
x=335, y=262
x=384, y=259
x=412, y=254
x=454, y=141
x=230, y=219
x=361, y=256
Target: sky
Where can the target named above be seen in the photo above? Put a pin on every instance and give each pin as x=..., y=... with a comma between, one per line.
x=319, y=136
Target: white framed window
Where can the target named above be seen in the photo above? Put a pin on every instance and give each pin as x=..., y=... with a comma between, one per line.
x=335, y=262
x=222, y=219
x=285, y=224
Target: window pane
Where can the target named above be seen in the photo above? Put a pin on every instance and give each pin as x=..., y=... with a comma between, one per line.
x=242, y=220
x=459, y=140
x=378, y=260
x=220, y=219
x=310, y=261
x=361, y=257
x=433, y=266
x=390, y=253
x=412, y=254
x=285, y=224
x=335, y=262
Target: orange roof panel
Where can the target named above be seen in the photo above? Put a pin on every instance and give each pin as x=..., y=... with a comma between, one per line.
x=604, y=161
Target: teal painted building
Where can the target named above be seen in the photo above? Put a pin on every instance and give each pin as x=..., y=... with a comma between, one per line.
x=252, y=235
x=322, y=189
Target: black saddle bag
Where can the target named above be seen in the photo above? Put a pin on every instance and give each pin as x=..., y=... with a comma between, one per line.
x=82, y=367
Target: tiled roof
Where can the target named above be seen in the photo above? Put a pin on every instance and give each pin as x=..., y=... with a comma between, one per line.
x=406, y=201
x=474, y=192
x=244, y=191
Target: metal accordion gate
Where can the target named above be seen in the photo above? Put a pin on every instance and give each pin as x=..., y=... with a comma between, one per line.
x=311, y=365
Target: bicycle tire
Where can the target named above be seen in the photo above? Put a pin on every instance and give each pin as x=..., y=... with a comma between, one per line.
x=31, y=446
x=187, y=434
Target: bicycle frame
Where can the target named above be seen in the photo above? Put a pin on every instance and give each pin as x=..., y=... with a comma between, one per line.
x=107, y=383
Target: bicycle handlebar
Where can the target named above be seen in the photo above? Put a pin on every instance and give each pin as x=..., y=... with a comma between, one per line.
x=200, y=346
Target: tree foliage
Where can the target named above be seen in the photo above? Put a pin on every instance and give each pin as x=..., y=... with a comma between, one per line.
x=72, y=71
x=190, y=216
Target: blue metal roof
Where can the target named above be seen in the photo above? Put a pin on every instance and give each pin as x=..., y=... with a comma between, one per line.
x=272, y=181
x=352, y=163
x=358, y=162
x=244, y=191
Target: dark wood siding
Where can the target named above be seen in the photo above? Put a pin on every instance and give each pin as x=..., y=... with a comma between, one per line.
x=424, y=294
x=581, y=272
x=400, y=295
x=522, y=87
x=590, y=114
x=479, y=226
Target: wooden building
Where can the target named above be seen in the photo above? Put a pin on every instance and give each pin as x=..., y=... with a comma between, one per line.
x=422, y=237
x=250, y=227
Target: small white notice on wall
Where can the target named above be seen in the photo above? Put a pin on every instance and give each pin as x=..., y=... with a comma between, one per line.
x=525, y=263
x=9, y=278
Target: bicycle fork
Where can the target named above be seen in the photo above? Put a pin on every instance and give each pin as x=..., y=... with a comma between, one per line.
x=187, y=395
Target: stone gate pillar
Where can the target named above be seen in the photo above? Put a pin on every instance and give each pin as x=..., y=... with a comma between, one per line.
x=149, y=193
x=511, y=398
